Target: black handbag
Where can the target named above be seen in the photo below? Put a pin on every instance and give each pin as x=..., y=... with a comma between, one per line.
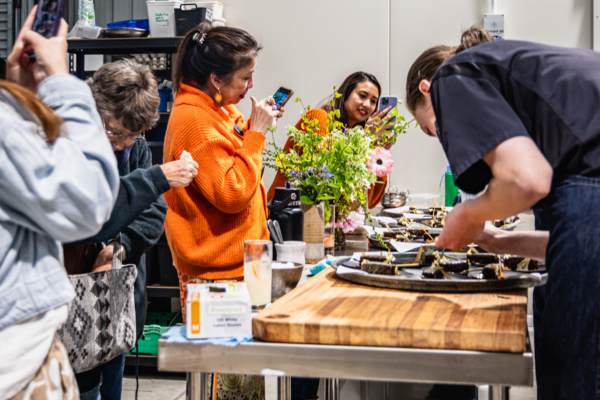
x=188, y=16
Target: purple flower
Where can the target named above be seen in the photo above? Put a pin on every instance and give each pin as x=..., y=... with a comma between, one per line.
x=325, y=173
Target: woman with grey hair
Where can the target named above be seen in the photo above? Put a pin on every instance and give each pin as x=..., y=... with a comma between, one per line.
x=127, y=99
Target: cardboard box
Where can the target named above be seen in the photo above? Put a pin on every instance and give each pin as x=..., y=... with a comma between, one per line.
x=216, y=310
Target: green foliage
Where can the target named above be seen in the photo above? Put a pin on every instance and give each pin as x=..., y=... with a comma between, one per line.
x=387, y=135
x=332, y=168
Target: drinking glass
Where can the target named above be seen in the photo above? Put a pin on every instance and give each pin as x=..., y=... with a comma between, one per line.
x=258, y=256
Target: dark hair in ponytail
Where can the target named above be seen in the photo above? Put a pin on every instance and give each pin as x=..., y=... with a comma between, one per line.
x=219, y=50
x=427, y=64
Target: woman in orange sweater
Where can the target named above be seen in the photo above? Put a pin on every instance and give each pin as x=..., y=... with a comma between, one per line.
x=360, y=93
x=208, y=221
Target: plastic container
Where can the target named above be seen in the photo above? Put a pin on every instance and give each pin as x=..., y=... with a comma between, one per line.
x=157, y=324
x=215, y=6
x=218, y=22
x=148, y=343
x=87, y=15
x=161, y=17
x=130, y=23
x=166, y=99
x=450, y=189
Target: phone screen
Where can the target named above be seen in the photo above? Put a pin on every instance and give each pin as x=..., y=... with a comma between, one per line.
x=47, y=17
x=387, y=101
x=281, y=96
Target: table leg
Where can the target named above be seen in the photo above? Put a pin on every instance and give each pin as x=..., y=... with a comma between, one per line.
x=332, y=389
x=284, y=388
x=363, y=390
x=498, y=392
x=196, y=386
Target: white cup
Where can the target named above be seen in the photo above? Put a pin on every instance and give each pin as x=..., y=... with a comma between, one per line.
x=292, y=251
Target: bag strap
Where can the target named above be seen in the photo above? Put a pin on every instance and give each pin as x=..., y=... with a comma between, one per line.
x=118, y=252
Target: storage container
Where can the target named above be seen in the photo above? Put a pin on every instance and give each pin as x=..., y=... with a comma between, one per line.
x=161, y=16
x=130, y=23
x=215, y=6
x=148, y=343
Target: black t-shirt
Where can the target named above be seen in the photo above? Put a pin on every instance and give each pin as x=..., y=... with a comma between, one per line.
x=499, y=90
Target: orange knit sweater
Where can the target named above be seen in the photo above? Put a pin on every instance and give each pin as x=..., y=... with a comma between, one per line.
x=376, y=191
x=208, y=221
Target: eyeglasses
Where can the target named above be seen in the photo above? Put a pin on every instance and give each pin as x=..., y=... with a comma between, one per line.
x=121, y=137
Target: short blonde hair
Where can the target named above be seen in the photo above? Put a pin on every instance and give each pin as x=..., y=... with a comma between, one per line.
x=126, y=92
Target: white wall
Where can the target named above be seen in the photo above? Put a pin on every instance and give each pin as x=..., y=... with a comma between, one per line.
x=311, y=45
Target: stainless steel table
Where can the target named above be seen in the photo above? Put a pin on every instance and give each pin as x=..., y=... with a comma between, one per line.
x=499, y=370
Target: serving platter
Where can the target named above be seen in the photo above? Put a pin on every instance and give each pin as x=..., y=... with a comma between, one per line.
x=411, y=278
x=417, y=233
x=432, y=217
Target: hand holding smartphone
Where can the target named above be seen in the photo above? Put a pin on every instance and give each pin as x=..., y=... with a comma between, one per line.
x=387, y=102
x=50, y=58
x=281, y=96
x=48, y=16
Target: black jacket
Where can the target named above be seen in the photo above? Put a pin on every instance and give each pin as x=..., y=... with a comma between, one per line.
x=139, y=215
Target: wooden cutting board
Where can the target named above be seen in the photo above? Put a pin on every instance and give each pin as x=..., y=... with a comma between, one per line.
x=328, y=310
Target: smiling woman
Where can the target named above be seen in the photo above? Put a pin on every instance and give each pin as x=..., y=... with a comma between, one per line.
x=357, y=103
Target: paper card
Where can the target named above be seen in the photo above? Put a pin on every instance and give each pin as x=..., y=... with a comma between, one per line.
x=403, y=247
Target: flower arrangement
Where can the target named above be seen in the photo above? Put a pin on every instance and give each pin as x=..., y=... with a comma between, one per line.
x=338, y=167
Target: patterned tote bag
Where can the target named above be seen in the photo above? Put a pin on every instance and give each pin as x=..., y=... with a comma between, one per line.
x=101, y=321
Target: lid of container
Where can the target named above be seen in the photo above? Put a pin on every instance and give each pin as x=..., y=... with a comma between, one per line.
x=287, y=194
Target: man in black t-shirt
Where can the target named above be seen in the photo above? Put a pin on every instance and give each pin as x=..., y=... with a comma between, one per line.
x=520, y=121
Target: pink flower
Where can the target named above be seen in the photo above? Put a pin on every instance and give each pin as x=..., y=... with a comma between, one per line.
x=381, y=162
x=351, y=222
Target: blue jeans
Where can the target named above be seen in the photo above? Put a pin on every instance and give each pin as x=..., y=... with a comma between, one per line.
x=567, y=310
x=111, y=379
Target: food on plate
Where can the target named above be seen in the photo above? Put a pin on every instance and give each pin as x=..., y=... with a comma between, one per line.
x=493, y=271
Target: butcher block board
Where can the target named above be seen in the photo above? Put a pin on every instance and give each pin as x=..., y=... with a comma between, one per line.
x=327, y=310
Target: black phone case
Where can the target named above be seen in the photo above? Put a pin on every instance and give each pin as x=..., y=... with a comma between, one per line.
x=48, y=16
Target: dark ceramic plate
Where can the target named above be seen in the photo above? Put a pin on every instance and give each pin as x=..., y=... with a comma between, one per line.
x=411, y=278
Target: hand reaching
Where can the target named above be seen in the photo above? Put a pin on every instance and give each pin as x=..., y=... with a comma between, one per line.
x=104, y=259
x=180, y=173
x=379, y=123
x=461, y=228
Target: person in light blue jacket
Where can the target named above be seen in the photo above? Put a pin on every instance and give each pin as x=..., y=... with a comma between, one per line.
x=58, y=183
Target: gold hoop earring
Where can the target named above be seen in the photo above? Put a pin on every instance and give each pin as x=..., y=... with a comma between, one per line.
x=218, y=98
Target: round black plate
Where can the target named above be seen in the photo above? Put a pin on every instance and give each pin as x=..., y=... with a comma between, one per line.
x=411, y=279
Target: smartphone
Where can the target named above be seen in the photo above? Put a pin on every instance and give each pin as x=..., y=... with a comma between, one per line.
x=282, y=95
x=387, y=101
x=48, y=16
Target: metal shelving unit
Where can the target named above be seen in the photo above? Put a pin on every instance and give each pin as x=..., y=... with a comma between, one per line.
x=6, y=27
x=79, y=48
